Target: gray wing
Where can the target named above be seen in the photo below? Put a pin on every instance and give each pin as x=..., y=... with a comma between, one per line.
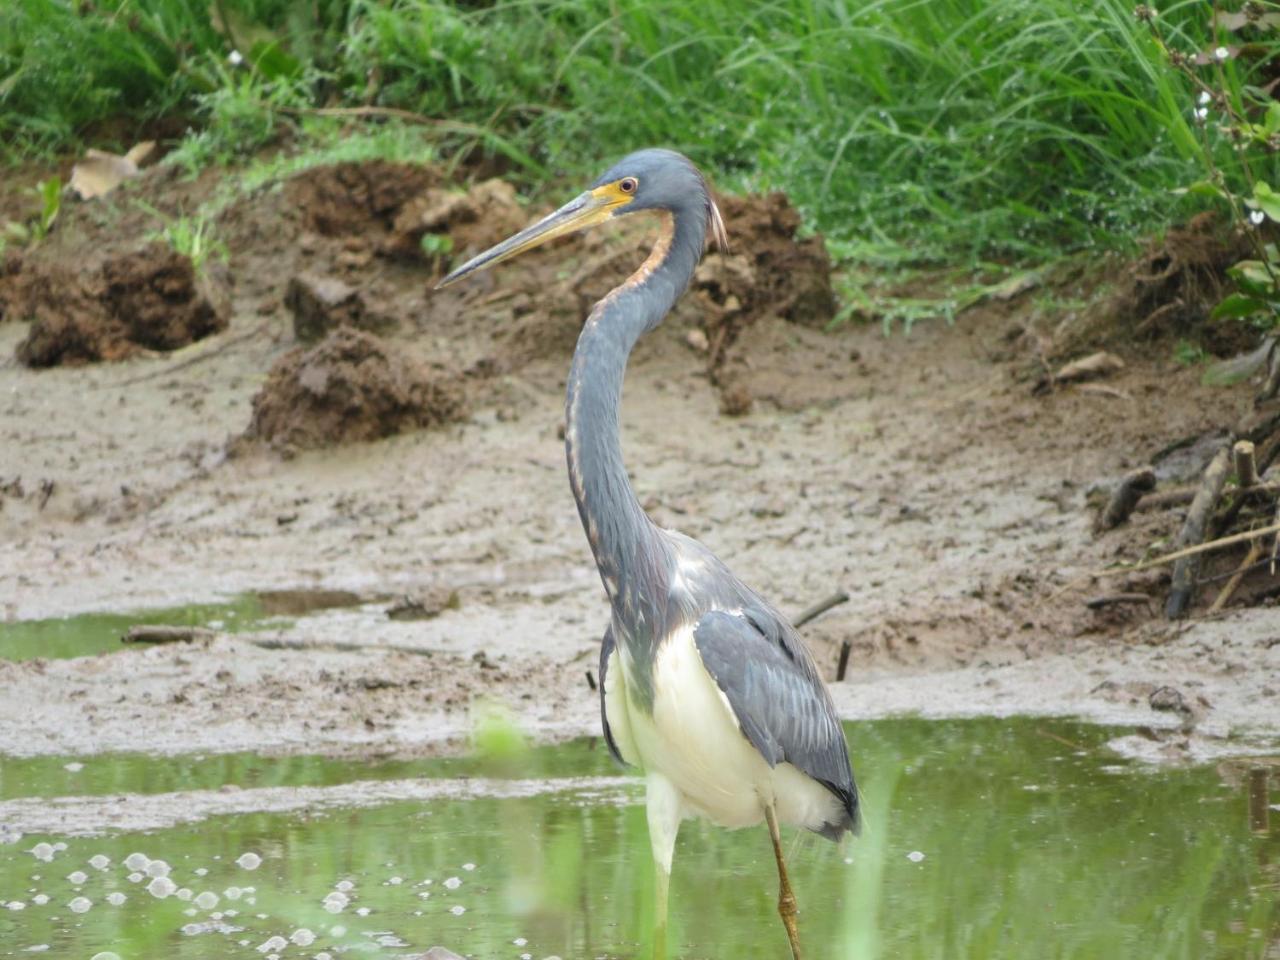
x=780, y=701
x=606, y=648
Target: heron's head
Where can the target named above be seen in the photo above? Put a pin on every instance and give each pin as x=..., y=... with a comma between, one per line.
x=651, y=180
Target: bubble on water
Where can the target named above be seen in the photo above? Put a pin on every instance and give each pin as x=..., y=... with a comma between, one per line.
x=42, y=851
x=156, y=868
x=80, y=905
x=99, y=862
x=395, y=881
x=59, y=846
x=75, y=766
x=848, y=860
x=335, y=902
x=343, y=885
x=192, y=929
x=16, y=905
x=77, y=877
x=161, y=887
x=183, y=893
x=136, y=877
x=468, y=866
x=40, y=899
x=425, y=895
x=303, y=937
x=105, y=955
x=232, y=893
x=526, y=956
x=388, y=940
x=115, y=898
x=207, y=900
x=458, y=910
x=249, y=861
x=189, y=912
x=272, y=944
x=915, y=856
x=337, y=931
x=137, y=861
x=453, y=883
x=520, y=942
x=362, y=911
x=324, y=955
x=201, y=871
x=37, y=948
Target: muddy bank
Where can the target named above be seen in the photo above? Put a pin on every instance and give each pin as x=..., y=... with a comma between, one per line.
x=920, y=474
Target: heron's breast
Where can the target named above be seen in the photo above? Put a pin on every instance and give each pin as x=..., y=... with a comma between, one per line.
x=692, y=735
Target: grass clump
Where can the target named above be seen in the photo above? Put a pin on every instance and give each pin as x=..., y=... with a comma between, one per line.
x=918, y=131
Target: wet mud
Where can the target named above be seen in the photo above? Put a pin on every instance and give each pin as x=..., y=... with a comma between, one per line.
x=918, y=473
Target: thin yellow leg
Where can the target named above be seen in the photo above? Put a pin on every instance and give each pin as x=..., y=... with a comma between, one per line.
x=662, y=886
x=786, y=899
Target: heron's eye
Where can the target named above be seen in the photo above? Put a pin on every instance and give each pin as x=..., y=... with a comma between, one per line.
x=628, y=184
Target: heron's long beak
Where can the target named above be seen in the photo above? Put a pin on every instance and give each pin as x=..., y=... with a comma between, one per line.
x=585, y=210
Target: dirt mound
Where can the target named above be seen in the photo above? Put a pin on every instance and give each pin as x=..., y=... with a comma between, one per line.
x=150, y=298
x=352, y=386
x=474, y=220
x=349, y=198
x=1169, y=290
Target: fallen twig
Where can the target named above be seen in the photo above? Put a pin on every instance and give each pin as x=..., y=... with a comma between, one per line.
x=1114, y=599
x=1182, y=589
x=1218, y=544
x=162, y=633
x=818, y=609
x=188, y=361
x=1225, y=594
x=1125, y=497
x=1184, y=495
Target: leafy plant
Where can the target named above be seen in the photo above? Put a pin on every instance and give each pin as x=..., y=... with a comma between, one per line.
x=1238, y=122
x=193, y=237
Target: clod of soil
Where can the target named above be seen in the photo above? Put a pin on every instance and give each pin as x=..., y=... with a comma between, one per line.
x=474, y=221
x=150, y=298
x=344, y=198
x=352, y=386
x=1175, y=284
x=321, y=304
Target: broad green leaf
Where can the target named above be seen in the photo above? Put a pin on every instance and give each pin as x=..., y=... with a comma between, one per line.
x=1253, y=278
x=1266, y=200
x=1202, y=188
x=1238, y=305
x=1272, y=122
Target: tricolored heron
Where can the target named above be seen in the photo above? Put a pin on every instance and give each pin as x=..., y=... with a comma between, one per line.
x=703, y=685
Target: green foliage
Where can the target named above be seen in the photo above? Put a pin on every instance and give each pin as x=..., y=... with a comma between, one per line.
x=907, y=132
x=193, y=237
x=36, y=229
x=1238, y=122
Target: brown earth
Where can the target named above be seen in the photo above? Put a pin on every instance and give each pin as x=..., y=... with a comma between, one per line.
x=921, y=474
x=149, y=299
x=348, y=388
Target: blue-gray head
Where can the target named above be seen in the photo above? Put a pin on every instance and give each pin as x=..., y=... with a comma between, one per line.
x=654, y=180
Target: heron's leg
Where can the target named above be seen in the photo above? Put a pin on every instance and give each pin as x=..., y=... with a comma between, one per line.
x=663, y=807
x=786, y=899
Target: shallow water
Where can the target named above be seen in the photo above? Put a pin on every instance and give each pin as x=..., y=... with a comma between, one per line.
x=94, y=633
x=985, y=839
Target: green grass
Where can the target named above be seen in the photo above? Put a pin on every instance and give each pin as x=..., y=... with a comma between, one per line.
x=908, y=131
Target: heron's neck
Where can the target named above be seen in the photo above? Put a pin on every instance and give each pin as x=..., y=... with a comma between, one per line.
x=627, y=545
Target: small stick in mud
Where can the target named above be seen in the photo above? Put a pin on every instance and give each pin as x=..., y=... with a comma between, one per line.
x=1275, y=544
x=591, y=680
x=843, y=665
x=160, y=633
x=1193, y=531
x=1246, y=466
x=818, y=609
x=1242, y=537
x=1115, y=599
x=1125, y=497
x=1225, y=594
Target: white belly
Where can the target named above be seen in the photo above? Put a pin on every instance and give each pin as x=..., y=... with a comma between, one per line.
x=694, y=741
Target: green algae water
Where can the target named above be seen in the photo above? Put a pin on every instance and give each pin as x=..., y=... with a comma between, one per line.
x=95, y=633
x=985, y=839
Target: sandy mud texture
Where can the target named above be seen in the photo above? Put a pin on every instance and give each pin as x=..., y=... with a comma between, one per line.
x=925, y=475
